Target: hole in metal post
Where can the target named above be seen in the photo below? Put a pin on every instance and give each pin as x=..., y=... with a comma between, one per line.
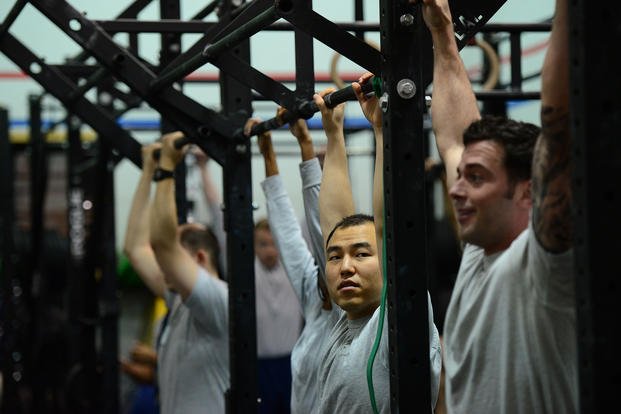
x=75, y=25
x=35, y=68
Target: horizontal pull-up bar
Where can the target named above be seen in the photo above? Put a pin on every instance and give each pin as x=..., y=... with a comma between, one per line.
x=179, y=143
x=255, y=25
x=308, y=108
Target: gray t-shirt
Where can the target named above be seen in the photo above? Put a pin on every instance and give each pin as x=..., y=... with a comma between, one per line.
x=193, y=353
x=343, y=386
x=278, y=312
x=510, y=332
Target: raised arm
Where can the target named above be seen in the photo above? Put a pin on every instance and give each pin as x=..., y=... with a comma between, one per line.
x=551, y=163
x=212, y=196
x=265, y=147
x=310, y=172
x=137, y=246
x=372, y=111
x=178, y=266
x=285, y=227
x=453, y=104
x=335, y=197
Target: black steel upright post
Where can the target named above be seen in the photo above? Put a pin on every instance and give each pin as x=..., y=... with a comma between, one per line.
x=108, y=293
x=403, y=43
x=595, y=126
x=237, y=175
x=359, y=16
x=171, y=48
x=10, y=288
x=304, y=62
x=82, y=382
x=38, y=175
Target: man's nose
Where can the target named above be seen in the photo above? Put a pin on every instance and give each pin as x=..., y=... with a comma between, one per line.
x=347, y=266
x=457, y=189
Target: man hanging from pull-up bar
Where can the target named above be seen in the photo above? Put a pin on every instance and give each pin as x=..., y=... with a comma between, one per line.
x=179, y=263
x=353, y=245
x=510, y=328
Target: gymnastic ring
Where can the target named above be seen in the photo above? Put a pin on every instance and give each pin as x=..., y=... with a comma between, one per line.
x=494, y=64
x=340, y=84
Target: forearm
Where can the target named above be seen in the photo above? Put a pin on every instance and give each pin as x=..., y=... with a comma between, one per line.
x=271, y=165
x=137, y=232
x=551, y=182
x=164, y=216
x=211, y=193
x=454, y=106
x=311, y=182
x=335, y=196
x=306, y=148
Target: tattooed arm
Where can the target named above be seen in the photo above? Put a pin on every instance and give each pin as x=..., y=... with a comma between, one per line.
x=551, y=163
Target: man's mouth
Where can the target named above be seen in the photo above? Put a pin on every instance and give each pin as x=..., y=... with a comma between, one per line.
x=348, y=285
x=463, y=214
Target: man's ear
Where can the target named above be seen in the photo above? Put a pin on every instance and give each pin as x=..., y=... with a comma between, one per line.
x=523, y=194
x=202, y=258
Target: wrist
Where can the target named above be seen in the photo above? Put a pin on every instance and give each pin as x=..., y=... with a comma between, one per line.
x=162, y=174
x=166, y=163
x=307, y=151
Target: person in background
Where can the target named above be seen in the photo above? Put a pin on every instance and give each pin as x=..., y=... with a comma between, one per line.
x=178, y=262
x=279, y=317
x=302, y=266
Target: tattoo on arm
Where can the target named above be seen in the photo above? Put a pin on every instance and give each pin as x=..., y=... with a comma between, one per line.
x=551, y=183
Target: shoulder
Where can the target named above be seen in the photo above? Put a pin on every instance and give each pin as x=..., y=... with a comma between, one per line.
x=208, y=285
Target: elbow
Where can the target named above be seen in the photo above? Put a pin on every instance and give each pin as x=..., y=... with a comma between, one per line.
x=157, y=242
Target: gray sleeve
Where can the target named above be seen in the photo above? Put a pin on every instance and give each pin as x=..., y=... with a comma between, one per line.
x=208, y=303
x=552, y=275
x=311, y=182
x=294, y=255
x=435, y=355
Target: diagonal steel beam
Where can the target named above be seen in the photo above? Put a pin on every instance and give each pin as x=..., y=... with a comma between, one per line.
x=188, y=115
x=61, y=87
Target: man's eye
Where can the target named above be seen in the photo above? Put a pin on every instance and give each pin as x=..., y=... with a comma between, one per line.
x=475, y=178
x=333, y=258
x=363, y=254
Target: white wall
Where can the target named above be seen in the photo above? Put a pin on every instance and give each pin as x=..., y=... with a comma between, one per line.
x=272, y=52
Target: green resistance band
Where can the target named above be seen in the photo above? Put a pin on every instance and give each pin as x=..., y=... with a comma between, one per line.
x=380, y=327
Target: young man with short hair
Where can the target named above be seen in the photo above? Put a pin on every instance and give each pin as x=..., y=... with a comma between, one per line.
x=354, y=277
x=510, y=328
x=177, y=262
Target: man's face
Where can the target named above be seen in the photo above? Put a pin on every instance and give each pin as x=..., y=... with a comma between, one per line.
x=353, y=271
x=490, y=212
x=265, y=248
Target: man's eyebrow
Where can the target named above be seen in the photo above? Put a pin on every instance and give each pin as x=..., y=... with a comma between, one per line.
x=359, y=245
x=333, y=248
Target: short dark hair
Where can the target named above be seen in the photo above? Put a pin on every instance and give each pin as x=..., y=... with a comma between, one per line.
x=516, y=138
x=194, y=238
x=350, y=221
x=262, y=224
